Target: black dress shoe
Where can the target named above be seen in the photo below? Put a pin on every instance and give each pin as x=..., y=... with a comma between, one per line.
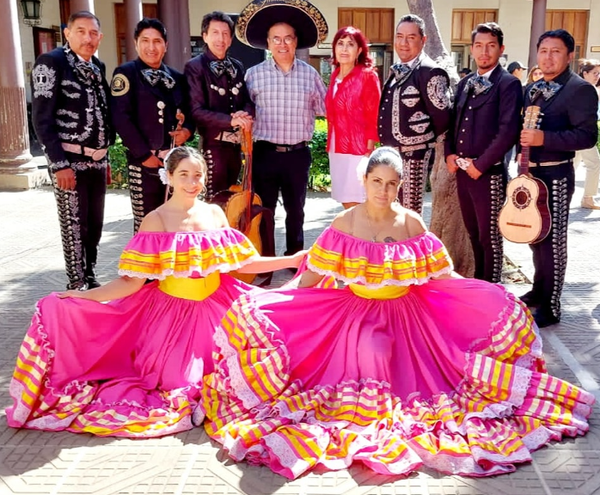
x=81, y=285
x=92, y=283
x=544, y=319
x=530, y=299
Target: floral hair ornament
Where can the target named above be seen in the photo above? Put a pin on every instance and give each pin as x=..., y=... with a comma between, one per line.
x=164, y=178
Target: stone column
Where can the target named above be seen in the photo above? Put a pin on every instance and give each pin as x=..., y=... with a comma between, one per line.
x=538, y=27
x=184, y=33
x=133, y=14
x=16, y=169
x=79, y=5
x=175, y=16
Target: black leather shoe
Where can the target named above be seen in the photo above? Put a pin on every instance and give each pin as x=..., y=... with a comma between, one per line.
x=544, y=319
x=81, y=285
x=530, y=299
x=92, y=283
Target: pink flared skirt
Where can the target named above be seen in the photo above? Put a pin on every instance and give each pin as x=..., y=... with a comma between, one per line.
x=132, y=367
x=449, y=376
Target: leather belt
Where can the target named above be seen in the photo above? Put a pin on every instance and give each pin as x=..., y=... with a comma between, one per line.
x=283, y=148
x=550, y=164
x=228, y=137
x=160, y=153
x=93, y=153
x=416, y=147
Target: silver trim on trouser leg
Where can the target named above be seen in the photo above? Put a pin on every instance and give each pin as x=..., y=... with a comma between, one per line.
x=414, y=174
x=136, y=195
x=210, y=165
x=70, y=232
x=497, y=194
x=560, y=225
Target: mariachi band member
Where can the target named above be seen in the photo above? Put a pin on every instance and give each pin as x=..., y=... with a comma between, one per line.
x=220, y=102
x=485, y=124
x=71, y=119
x=415, y=108
x=569, y=106
x=150, y=112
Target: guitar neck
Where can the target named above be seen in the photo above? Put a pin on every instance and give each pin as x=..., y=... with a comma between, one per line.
x=524, y=161
x=247, y=153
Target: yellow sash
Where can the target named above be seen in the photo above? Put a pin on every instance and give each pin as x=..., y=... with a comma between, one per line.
x=193, y=289
x=385, y=292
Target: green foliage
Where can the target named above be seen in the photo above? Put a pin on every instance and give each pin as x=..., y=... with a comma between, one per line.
x=319, y=178
x=194, y=142
x=118, y=164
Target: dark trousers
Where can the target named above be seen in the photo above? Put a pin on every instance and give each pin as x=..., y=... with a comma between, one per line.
x=146, y=190
x=550, y=255
x=480, y=203
x=416, y=165
x=288, y=172
x=81, y=216
x=224, y=162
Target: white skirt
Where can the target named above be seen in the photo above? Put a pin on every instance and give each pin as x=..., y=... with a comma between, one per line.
x=347, y=173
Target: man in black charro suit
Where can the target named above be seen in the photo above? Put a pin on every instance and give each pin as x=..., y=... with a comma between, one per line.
x=71, y=119
x=569, y=105
x=220, y=102
x=414, y=111
x=149, y=100
x=486, y=121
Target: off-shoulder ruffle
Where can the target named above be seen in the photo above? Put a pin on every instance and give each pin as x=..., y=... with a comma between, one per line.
x=156, y=255
x=410, y=262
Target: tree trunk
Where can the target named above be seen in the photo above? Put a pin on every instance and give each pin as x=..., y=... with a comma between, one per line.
x=446, y=219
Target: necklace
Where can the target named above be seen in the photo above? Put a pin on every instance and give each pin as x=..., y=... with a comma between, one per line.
x=374, y=237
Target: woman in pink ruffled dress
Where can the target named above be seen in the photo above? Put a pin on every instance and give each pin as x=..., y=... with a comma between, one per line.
x=407, y=366
x=134, y=366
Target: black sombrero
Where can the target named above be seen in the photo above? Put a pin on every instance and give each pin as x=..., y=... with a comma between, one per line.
x=258, y=16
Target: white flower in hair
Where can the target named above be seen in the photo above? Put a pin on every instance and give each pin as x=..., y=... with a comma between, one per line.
x=164, y=178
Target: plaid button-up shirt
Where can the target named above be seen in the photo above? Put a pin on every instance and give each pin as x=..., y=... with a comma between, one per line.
x=286, y=103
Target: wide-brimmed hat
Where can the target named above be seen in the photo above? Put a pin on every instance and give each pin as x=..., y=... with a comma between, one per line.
x=256, y=19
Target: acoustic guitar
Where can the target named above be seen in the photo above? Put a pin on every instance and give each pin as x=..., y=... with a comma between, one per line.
x=525, y=217
x=242, y=206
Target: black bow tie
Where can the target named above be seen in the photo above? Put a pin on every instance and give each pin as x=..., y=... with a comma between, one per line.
x=219, y=67
x=89, y=71
x=154, y=76
x=480, y=85
x=547, y=89
x=400, y=71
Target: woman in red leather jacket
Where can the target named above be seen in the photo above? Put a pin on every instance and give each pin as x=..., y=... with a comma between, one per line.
x=352, y=103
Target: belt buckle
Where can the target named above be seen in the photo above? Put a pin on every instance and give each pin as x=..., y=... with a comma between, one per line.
x=281, y=149
x=97, y=155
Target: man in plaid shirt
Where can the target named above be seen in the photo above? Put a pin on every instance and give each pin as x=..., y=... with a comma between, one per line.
x=288, y=95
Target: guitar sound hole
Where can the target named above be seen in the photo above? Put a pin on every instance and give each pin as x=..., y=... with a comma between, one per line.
x=521, y=198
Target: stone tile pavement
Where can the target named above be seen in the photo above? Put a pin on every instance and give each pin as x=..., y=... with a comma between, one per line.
x=34, y=462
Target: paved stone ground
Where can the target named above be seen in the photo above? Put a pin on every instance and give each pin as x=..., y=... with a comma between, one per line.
x=189, y=463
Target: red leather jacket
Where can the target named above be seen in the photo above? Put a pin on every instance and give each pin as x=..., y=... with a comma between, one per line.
x=353, y=111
